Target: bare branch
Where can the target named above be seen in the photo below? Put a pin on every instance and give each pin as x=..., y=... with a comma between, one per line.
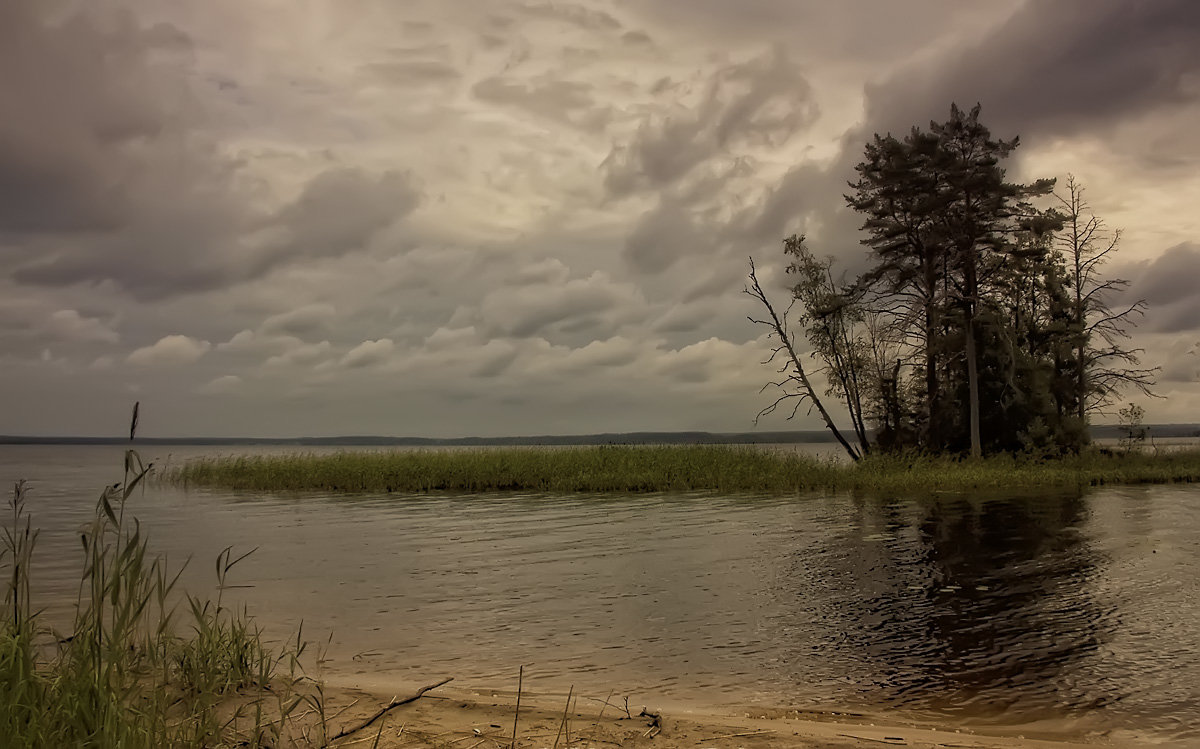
x=779, y=327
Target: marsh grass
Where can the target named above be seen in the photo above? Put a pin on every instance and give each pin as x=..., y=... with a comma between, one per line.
x=638, y=469
x=129, y=674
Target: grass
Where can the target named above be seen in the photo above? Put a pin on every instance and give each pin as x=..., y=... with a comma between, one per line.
x=131, y=672
x=631, y=470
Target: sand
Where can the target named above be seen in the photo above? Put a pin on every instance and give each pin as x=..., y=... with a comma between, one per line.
x=453, y=717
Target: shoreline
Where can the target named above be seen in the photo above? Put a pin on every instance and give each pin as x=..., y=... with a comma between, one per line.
x=462, y=716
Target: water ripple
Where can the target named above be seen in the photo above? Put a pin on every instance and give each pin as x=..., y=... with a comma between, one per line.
x=999, y=609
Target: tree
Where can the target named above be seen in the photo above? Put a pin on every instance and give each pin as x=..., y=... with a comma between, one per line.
x=940, y=218
x=983, y=322
x=1103, y=365
x=833, y=321
x=1131, y=427
x=796, y=385
x=980, y=216
x=897, y=189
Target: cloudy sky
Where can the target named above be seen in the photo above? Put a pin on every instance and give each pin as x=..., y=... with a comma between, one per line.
x=491, y=217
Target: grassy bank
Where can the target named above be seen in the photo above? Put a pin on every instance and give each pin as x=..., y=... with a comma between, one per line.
x=141, y=664
x=621, y=469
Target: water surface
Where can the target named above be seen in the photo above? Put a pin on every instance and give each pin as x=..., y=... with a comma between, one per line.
x=1077, y=612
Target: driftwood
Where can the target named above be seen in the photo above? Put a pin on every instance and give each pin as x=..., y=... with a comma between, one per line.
x=890, y=740
x=655, y=725
x=736, y=735
x=390, y=706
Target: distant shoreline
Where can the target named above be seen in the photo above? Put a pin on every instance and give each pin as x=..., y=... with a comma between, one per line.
x=815, y=436
x=623, y=438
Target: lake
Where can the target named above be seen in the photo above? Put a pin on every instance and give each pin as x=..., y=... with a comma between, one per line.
x=1074, y=613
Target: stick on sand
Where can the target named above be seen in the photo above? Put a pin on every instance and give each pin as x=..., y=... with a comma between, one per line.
x=390, y=706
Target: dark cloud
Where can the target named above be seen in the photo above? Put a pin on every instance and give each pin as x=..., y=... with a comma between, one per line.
x=1171, y=277
x=802, y=190
x=340, y=210
x=572, y=307
x=1180, y=317
x=79, y=105
x=1170, y=285
x=1056, y=67
x=683, y=318
x=167, y=249
x=196, y=246
x=761, y=102
x=697, y=161
x=718, y=280
x=98, y=168
x=496, y=363
x=665, y=234
x=105, y=174
x=243, y=170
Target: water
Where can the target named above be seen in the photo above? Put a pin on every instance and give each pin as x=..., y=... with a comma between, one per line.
x=1072, y=613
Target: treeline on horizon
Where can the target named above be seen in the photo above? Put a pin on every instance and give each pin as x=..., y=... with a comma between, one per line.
x=983, y=323
x=1096, y=431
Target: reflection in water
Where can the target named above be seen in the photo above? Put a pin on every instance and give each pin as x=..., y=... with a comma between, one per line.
x=977, y=606
x=980, y=607
x=993, y=609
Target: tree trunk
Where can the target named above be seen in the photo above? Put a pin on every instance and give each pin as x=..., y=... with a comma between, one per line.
x=785, y=341
x=973, y=386
x=812, y=394
x=932, y=412
x=971, y=282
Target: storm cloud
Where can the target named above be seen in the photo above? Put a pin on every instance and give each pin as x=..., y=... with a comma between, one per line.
x=529, y=220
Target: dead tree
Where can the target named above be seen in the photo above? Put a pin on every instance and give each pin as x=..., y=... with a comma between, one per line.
x=795, y=384
x=1103, y=364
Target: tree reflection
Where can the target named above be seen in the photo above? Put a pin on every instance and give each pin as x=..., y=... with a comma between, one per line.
x=971, y=604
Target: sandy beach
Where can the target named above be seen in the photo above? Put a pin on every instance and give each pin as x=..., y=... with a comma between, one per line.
x=447, y=716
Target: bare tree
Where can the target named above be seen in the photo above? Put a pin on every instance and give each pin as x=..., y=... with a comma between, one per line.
x=835, y=324
x=1103, y=365
x=795, y=385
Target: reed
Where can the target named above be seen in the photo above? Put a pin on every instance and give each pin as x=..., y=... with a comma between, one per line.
x=640, y=469
x=128, y=674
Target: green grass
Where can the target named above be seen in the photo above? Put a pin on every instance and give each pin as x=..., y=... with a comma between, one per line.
x=627, y=470
x=130, y=672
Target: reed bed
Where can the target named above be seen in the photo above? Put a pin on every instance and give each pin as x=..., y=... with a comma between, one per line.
x=640, y=469
x=131, y=671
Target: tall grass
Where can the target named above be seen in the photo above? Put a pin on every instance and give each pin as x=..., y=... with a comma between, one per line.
x=128, y=674
x=636, y=469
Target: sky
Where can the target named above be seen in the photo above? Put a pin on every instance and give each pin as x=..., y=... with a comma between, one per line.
x=518, y=217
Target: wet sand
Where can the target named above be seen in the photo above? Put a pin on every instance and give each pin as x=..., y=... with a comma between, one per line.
x=483, y=719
